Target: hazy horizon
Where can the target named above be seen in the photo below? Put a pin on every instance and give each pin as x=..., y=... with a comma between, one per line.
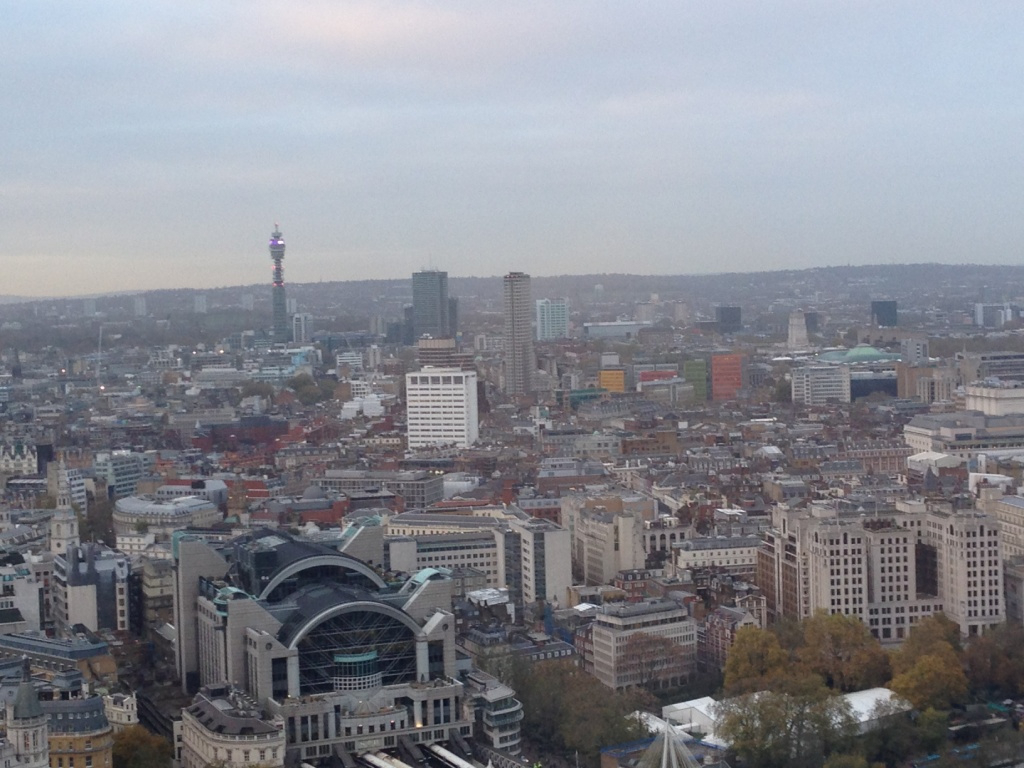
x=154, y=146
x=257, y=287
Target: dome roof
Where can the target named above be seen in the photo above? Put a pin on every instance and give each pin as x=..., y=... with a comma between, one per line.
x=865, y=352
x=862, y=353
x=26, y=702
x=314, y=492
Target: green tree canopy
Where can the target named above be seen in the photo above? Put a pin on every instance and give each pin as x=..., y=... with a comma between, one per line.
x=136, y=747
x=846, y=761
x=994, y=662
x=935, y=679
x=896, y=735
x=567, y=710
x=309, y=391
x=843, y=652
x=925, y=636
x=798, y=726
x=754, y=660
x=257, y=389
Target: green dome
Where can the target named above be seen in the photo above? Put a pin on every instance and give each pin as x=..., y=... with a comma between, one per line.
x=862, y=353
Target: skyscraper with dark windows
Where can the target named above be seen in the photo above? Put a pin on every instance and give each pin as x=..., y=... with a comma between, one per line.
x=517, y=345
x=884, y=314
x=431, y=308
x=453, y=316
x=729, y=319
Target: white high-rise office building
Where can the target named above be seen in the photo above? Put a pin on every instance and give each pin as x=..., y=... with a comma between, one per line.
x=821, y=384
x=302, y=328
x=797, y=337
x=351, y=359
x=374, y=357
x=517, y=344
x=914, y=351
x=552, y=319
x=441, y=407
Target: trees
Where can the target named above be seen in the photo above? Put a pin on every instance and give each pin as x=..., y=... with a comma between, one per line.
x=655, y=662
x=843, y=652
x=897, y=734
x=541, y=697
x=98, y=522
x=928, y=669
x=257, y=389
x=839, y=649
x=931, y=730
x=566, y=710
x=510, y=668
x=846, y=761
x=136, y=747
x=790, y=633
x=309, y=391
x=936, y=679
x=993, y=662
x=799, y=725
x=754, y=660
x=593, y=717
x=783, y=392
x=924, y=637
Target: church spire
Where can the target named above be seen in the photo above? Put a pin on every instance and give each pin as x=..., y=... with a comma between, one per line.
x=64, y=535
x=63, y=488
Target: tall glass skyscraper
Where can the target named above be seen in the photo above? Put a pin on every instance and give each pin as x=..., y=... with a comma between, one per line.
x=431, y=314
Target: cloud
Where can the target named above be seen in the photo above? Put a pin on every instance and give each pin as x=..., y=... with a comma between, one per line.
x=501, y=135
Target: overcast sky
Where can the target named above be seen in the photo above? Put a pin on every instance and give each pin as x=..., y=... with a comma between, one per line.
x=154, y=144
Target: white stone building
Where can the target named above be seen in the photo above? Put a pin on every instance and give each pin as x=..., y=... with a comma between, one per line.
x=122, y=710
x=441, y=408
x=613, y=660
x=890, y=570
x=995, y=397
x=136, y=515
x=552, y=319
x=815, y=385
x=225, y=727
x=18, y=459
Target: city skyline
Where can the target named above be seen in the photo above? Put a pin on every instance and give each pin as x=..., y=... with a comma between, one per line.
x=676, y=138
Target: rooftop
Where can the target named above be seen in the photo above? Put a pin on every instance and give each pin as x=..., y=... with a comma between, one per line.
x=229, y=713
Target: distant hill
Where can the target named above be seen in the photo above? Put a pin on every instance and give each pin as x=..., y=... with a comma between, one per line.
x=947, y=286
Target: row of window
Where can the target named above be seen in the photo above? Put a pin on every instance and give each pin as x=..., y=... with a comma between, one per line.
x=436, y=380
x=87, y=762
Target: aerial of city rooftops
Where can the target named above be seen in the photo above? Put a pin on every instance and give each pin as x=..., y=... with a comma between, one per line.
x=242, y=520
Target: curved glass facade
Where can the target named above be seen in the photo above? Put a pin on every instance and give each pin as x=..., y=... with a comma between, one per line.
x=327, y=650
